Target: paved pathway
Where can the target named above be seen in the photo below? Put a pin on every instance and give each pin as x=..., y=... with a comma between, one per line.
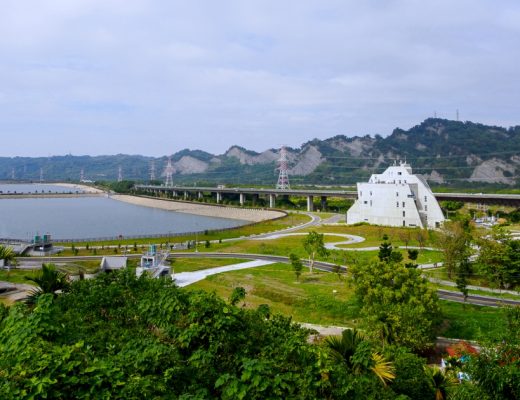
x=187, y=278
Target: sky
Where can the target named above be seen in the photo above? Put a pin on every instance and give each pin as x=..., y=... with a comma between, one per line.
x=153, y=77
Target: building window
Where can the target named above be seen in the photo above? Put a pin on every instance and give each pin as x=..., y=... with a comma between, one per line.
x=404, y=213
x=425, y=199
x=370, y=203
x=425, y=208
x=397, y=204
x=404, y=204
x=399, y=173
x=365, y=202
x=404, y=223
x=370, y=193
x=397, y=194
x=360, y=194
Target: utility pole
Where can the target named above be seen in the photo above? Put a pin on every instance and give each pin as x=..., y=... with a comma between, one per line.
x=168, y=171
x=152, y=170
x=283, y=176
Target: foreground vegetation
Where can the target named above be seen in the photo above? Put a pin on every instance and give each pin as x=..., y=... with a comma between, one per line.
x=118, y=336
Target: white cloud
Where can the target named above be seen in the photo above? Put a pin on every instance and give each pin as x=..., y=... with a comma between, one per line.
x=181, y=73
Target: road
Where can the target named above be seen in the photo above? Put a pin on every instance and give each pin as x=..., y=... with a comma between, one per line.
x=320, y=265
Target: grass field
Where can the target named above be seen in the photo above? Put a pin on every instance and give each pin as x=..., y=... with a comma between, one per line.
x=469, y=321
x=313, y=300
x=475, y=280
x=16, y=275
x=309, y=300
x=374, y=234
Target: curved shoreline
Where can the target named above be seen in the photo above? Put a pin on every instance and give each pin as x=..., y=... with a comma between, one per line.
x=207, y=210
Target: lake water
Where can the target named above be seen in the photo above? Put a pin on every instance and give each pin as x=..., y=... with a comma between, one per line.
x=95, y=217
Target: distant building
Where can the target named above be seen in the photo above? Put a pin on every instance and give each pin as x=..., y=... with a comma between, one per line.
x=396, y=198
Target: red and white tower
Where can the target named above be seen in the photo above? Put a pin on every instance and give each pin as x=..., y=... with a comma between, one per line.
x=283, y=177
x=168, y=172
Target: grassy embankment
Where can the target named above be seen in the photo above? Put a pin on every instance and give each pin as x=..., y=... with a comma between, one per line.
x=313, y=300
x=266, y=226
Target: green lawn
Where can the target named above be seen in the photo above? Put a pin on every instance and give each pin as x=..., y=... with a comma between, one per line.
x=374, y=234
x=310, y=300
x=475, y=279
x=16, y=275
x=470, y=322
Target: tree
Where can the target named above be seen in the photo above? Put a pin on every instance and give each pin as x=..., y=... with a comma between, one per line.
x=49, y=281
x=6, y=254
x=499, y=259
x=118, y=336
x=296, y=264
x=314, y=246
x=413, y=254
x=496, y=368
x=354, y=351
x=441, y=383
x=397, y=303
x=404, y=236
x=388, y=254
x=421, y=236
x=237, y=295
x=454, y=240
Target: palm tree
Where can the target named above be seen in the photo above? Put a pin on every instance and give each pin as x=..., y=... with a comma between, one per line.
x=440, y=383
x=49, y=280
x=6, y=253
x=352, y=349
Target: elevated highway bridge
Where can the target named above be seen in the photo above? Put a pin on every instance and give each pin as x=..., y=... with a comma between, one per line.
x=194, y=192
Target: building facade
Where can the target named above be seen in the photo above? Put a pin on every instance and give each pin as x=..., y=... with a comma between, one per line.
x=396, y=197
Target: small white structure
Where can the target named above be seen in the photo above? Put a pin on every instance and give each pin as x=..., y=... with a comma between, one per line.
x=396, y=198
x=111, y=263
x=153, y=263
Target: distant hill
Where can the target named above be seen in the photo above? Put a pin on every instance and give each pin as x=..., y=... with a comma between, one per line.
x=449, y=152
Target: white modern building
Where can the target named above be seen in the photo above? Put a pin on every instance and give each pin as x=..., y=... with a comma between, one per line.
x=396, y=198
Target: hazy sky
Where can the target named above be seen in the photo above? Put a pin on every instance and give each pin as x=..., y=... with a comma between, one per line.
x=153, y=77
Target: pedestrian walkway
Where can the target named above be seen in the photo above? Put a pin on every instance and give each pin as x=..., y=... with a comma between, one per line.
x=187, y=278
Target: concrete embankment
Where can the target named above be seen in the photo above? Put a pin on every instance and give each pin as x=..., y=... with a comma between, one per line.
x=243, y=214
x=47, y=195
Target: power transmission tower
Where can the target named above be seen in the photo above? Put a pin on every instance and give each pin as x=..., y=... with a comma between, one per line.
x=283, y=176
x=13, y=176
x=41, y=174
x=457, y=114
x=120, y=174
x=82, y=175
x=168, y=171
x=152, y=170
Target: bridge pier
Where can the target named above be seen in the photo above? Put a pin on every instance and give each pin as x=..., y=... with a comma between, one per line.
x=219, y=197
x=272, y=201
x=242, y=199
x=310, y=203
x=199, y=195
x=255, y=199
x=323, y=203
x=186, y=195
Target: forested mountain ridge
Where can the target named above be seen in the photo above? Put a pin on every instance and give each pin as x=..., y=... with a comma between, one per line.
x=445, y=151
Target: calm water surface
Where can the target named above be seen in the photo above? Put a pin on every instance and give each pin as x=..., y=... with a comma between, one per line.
x=94, y=217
